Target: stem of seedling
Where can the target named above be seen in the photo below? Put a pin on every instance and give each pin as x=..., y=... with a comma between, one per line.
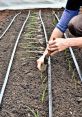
x=41, y=76
x=44, y=80
x=69, y=65
x=73, y=77
x=36, y=114
x=43, y=94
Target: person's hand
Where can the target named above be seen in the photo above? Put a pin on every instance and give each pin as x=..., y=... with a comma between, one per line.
x=55, y=34
x=57, y=45
x=40, y=62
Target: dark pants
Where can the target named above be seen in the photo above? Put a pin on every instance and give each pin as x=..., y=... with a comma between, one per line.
x=75, y=25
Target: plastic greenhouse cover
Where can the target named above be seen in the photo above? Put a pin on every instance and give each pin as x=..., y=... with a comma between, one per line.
x=30, y=4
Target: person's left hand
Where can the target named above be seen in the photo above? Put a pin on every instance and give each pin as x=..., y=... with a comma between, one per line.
x=40, y=62
x=57, y=45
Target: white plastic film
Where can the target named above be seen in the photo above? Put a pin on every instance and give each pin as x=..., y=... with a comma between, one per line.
x=30, y=4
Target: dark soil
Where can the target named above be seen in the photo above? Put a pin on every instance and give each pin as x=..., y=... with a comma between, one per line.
x=24, y=92
x=26, y=85
x=5, y=18
x=7, y=42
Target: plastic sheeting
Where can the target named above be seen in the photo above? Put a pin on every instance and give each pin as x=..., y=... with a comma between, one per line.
x=30, y=4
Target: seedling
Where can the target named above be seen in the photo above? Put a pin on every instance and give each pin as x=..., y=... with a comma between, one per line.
x=74, y=78
x=69, y=65
x=36, y=114
x=44, y=80
x=43, y=94
x=41, y=75
x=44, y=88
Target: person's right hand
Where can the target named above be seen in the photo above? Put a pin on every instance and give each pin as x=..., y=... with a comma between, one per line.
x=57, y=45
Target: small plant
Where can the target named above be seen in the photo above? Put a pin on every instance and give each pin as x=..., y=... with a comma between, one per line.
x=44, y=80
x=41, y=76
x=36, y=114
x=69, y=65
x=43, y=86
x=74, y=78
x=43, y=94
x=73, y=75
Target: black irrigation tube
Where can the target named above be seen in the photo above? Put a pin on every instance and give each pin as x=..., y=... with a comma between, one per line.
x=11, y=60
x=72, y=54
x=49, y=71
x=9, y=25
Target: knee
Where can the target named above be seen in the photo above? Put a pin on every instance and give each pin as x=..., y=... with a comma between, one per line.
x=72, y=26
x=75, y=25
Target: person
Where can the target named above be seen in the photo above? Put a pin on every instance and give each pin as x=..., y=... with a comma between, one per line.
x=73, y=21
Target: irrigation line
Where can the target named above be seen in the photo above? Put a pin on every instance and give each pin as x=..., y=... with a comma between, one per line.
x=43, y=26
x=9, y=25
x=11, y=60
x=73, y=55
x=49, y=71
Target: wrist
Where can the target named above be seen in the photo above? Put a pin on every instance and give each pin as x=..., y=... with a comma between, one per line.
x=67, y=43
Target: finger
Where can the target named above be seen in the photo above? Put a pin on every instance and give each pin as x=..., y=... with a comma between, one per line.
x=49, y=47
x=54, y=53
x=49, y=52
x=52, y=46
x=40, y=61
x=52, y=49
x=39, y=65
x=51, y=42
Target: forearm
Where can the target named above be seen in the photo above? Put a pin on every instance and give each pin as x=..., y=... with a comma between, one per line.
x=74, y=42
x=56, y=34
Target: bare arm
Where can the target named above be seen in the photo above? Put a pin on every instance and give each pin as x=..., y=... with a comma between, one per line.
x=60, y=44
x=74, y=42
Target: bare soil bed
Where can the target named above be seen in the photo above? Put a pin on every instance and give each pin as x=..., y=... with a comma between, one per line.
x=26, y=92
